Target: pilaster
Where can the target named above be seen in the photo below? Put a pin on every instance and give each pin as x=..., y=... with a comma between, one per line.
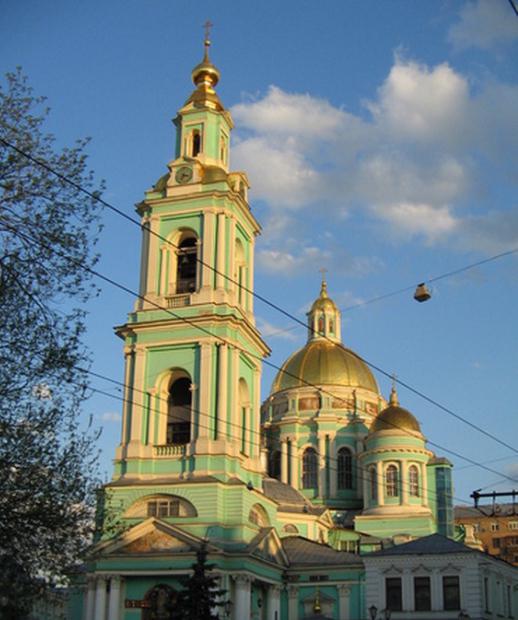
x=221, y=426
x=220, y=251
x=242, y=597
x=344, y=592
x=100, y=598
x=114, y=602
x=207, y=277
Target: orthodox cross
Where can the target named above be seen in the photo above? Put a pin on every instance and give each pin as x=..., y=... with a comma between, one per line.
x=207, y=25
x=323, y=271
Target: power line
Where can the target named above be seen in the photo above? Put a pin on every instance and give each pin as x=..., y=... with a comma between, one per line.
x=95, y=196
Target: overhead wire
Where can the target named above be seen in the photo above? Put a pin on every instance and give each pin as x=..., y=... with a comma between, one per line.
x=112, y=282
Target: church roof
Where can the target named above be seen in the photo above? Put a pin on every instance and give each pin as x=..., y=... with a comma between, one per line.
x=395, y=418
x=321, y=362
x=435, y=544
x=304, y=552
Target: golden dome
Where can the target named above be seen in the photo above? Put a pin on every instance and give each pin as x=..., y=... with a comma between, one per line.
x=205, y=77
x=323, y=302
x=322, y=362
x=395, y=418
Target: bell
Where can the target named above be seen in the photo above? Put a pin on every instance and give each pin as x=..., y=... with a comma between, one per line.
x=422, y=293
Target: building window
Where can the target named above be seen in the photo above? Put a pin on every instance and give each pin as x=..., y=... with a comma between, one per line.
x=393, y=598
x=476, y=528
x=289, y=528
x=451, y=593
x=345, y=469
x=310, y=469
x=163, y=508
x=275, y=464
x=187, y=261
x=513, y=525
x=413, y=480
x=496, y=543
x=495, y=526
x=422, y=594
x=392, y=482
x=196, y=143
x=351, y=546
x=373, y=480
x=179, y=412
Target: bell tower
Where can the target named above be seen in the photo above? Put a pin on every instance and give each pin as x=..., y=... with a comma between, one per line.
x=193, y=354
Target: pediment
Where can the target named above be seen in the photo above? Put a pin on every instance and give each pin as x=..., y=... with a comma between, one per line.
x=267, y=546
x=152, y=536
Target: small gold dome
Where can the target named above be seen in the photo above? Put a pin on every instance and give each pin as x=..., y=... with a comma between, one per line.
x=395, y=418
x=321, y=362
x=205, y=73
x=323, y=302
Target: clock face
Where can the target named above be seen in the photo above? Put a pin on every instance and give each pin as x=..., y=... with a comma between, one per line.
x=183, y=174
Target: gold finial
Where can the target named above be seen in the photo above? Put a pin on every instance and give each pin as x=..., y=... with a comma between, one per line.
x=207, y=25
x=323, y=288
x=394, y=400
x=316, y=605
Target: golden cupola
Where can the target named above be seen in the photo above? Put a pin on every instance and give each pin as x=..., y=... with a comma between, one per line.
x=324, y=360
x=395, y=419
x=205, y=76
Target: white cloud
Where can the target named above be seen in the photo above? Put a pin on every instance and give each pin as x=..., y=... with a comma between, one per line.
x=484, y=24
x=407, y=218
x=110, y=416
x=419, y=164
x=268, y=330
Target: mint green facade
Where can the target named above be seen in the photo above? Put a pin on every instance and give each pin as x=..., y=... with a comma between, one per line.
x=201, y=459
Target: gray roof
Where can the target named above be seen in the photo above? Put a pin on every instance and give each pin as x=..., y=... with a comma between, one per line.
x=434, y=544
x=304, y=552
x=288, y=498
x=488, y=510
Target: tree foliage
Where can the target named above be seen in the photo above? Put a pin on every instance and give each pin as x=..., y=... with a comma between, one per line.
x=199, y=598
x=47, y=461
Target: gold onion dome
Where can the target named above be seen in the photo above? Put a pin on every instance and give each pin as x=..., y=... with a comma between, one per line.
x=323, y=302
x=324, y=363
x=205, y=73
x=395, y=418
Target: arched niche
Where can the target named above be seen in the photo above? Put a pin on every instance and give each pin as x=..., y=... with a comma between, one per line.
x=161, y=506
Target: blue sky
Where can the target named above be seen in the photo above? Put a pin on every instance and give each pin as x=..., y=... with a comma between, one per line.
x=381, y=141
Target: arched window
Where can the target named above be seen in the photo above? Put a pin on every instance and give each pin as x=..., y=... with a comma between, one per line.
x=161, y=506
x=196, y=143
x=321, y=324
x=392, y=481
x=373, y=481
x=345, y=469
x=258, y=516
x=187, y=265
x=275, y=465
x=289, y=528
x=331, y=326
x=179, y=412
x=413, y=480
x=310, y=469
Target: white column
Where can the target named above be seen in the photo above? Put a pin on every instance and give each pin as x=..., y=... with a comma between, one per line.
x=220, y=256
x=100, y=599
x=404, y=482
x=208, y=249
x=284, y=461
x=222, y=390
x=242, y=598
x=115, y=599
x=273, y=603
x=163, y=269
x=232, y=255
x=144, y=258
x=235, y=428
x=137, y=396
x=205, y=382
x=89, y=602
x=381, y=483
x=424, y=484
x=293, y=603
x=152, y=256
x=128, y=395
x=322, y=466
x=294, y=458
x=250, y=283
x=343, y=602
x=256, y=413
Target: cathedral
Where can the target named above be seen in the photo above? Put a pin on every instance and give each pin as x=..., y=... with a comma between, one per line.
x=290, y=493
